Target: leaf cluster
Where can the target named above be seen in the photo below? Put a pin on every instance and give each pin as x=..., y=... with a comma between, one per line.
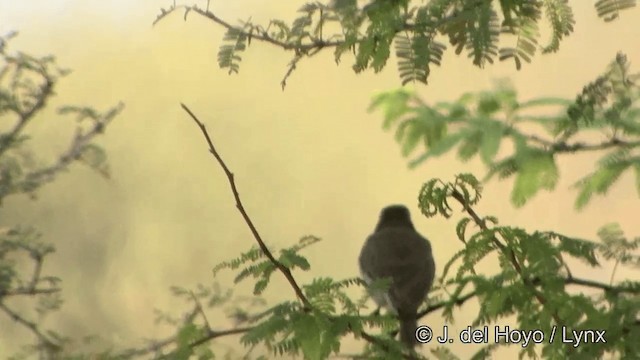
x=485, y=30
x=253, y=263
x=290, y=328
x=489, y=123
x=533, y=283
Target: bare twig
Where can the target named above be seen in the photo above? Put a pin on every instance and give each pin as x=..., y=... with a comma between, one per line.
x=283, y=269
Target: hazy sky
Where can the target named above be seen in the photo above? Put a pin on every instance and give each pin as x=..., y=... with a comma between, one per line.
x=308, y=160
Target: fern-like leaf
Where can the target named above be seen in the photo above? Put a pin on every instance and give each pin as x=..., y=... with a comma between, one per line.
x=229, y=54
x=609, y=10
x=526, y=33
x=417, y=51
x=560, y=17
x=475, y=27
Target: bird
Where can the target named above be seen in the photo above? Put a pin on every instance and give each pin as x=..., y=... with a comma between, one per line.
x=396, y=251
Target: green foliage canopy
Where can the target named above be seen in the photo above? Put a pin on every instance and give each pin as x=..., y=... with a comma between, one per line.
x=485, y=30
x=478, y=124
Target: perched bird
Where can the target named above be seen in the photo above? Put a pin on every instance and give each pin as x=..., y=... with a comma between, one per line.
x=395, y=250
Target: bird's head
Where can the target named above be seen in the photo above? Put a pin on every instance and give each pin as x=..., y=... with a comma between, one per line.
x=394, y=216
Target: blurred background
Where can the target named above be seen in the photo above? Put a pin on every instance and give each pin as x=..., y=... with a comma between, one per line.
x=307, y=160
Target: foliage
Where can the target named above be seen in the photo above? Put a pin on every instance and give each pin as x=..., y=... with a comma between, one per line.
x=290, y=328
x=476, y=27
x=481, y=123
x=534, y=279
x=27, y=83
x=534, y=285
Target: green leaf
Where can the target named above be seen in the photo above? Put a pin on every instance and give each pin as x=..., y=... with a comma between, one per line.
x=229, y=54
x=525, y=30
x=260, y=286
x=598, y=182
x=492, y=132
x=488, y=104
x=537, y=170
x=187, y=333
x=313, y=336
x=394, y=105
x=439, y=148
x=470, y=145
x=291, y=259
x=410, y=138
x=461, y=228
x=560, y=17
x=95, y=157
x=578, y=248
x=444, y=353
x=609, y=10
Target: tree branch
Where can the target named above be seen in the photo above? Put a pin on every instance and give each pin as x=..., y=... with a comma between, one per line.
x=263, y=36
x=564, y=147
x=230, y=177
x=44, y=340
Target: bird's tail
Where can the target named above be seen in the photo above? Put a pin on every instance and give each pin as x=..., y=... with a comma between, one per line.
x=408, y=327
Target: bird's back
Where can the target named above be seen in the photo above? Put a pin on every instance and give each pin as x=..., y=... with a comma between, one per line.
x=403, y=255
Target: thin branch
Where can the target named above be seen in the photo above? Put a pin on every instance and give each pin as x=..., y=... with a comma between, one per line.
x=37, y=270
x=80, y=140
x=459, y=301
x=230, y=177
x=212, y=334
x=600, y=286
x=563, y=147
x=613, y=272
x=200, y=310
x=29, y=325
x=21, y=291
x=264, y=36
